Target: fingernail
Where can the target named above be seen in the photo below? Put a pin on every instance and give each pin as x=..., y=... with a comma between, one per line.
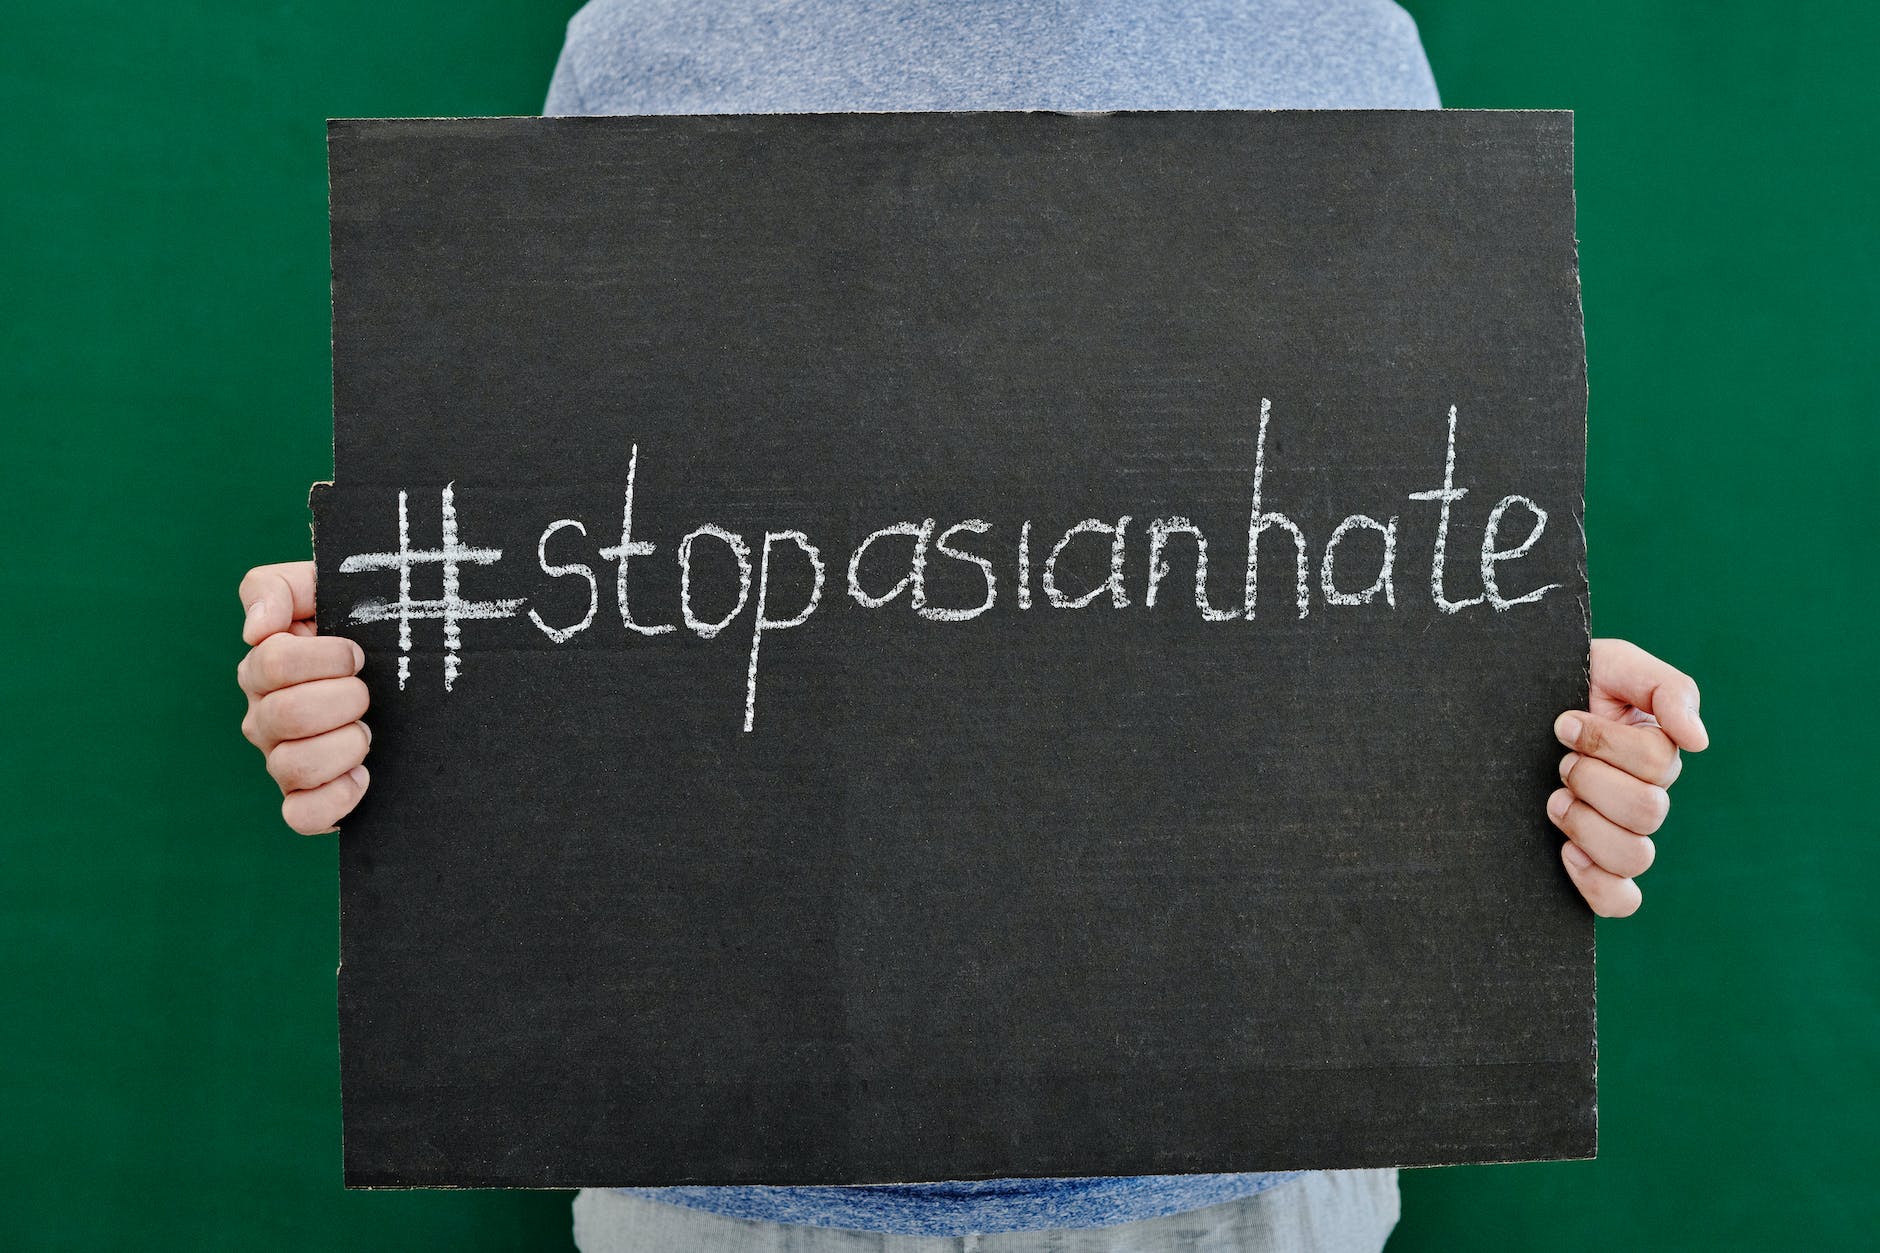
x=359, y=658
x=1576, y=856
x=368, y=727
x=358, y=775
x=1567, y=729
x=1558, y=804
x=1701, y=729
x=254, y=613
x=1567, y=764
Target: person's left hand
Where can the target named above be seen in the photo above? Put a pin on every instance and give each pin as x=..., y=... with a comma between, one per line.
x=1625, y=754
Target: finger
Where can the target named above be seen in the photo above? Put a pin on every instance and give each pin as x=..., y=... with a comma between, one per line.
x=1613, y=847
x=1644, y=752
x=1632, y=803
x=1610, y=895
x=274, y=597
x=315, y=811
x=300, y=764
x=1626, y=671
x=294, y=713
x=283, y=659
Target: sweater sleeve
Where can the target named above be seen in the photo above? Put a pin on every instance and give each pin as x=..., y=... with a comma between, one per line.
x=564, y=88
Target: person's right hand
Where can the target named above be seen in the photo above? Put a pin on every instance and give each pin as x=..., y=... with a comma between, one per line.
x=305, y=699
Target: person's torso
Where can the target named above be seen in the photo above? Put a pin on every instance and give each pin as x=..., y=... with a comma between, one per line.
x=776, y=56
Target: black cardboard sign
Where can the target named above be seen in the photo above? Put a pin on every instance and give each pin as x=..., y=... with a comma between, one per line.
x=807, y=750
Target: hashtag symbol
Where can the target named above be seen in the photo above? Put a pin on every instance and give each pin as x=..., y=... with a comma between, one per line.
x=451, y=608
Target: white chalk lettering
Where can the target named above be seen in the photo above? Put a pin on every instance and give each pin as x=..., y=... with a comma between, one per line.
x=945, y=548
x=916, y=577
x=1024, y=565
x=1491, y=555
x=564, y=634
x=953, y=543
x=1159, y=531
x=1383, y=581
x=626, y=550
x=1448, y=494
x=1258, y=521
x=740, y=550
x=764, y=622
x=451, y=608
x=1114, y=584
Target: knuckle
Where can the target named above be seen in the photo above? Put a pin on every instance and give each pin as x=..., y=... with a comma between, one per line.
x=1637, y=857
x=355, y=695
x=1654, y=808
x=276, y=714
x=251, y=728
x=307, y=709
x=291, y=768
x=288, y=712
x=1574, y=821
x=1593, y=737
x=1619, y=899
x=301, y=813
x=271, y=667
x=1670, y=764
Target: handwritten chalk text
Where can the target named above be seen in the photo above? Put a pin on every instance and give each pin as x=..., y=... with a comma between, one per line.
x=890, y=566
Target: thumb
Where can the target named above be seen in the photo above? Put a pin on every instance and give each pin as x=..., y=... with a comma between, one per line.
x=1628, y=673
x=275, y=597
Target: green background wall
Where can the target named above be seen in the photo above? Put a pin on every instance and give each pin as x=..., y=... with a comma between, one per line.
x=167, y=1056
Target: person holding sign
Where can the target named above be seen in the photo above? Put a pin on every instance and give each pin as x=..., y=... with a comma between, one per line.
x=307, y=706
